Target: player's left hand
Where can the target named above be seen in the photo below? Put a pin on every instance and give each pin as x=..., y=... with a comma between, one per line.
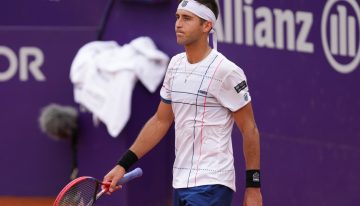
x=253, y=197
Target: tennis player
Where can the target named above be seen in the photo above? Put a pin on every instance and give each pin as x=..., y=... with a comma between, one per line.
x=205, y=94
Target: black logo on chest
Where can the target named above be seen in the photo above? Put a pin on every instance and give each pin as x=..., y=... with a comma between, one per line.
x=202, y=92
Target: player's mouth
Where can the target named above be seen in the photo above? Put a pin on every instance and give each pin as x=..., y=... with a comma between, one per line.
x=180, y=33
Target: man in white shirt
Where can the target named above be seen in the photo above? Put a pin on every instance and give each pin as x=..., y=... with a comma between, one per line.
x=204, y=93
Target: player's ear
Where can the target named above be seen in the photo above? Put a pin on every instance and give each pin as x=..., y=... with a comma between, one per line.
x=207, y=26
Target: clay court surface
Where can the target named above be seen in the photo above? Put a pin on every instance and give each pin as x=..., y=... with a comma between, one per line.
x=26, y=201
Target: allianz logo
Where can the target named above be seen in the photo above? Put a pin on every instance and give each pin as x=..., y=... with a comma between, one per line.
x=242, y=24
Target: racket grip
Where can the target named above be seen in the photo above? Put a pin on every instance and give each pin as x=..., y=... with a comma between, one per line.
x=131, y=175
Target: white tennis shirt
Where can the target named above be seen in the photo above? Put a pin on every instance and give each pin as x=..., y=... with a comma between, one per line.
x=203, y=97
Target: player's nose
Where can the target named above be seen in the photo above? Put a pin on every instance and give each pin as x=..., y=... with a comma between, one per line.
x=178, y=23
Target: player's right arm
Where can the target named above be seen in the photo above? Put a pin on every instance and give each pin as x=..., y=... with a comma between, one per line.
x=150, y=135
x=154, y=130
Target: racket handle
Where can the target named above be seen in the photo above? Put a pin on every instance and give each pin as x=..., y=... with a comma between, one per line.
x=131, y=175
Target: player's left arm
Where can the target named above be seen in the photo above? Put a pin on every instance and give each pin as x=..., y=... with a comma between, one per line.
x=245, y=121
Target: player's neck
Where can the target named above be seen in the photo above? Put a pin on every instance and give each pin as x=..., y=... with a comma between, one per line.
x=197, y=51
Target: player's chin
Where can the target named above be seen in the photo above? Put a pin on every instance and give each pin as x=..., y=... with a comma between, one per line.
x=181, y=41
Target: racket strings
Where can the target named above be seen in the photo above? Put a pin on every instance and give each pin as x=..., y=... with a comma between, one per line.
x=81, y=194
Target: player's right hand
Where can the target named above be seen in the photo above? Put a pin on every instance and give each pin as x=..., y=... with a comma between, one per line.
x=113, y=178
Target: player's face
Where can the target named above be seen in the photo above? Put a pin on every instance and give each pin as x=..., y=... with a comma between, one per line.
x=188, y=27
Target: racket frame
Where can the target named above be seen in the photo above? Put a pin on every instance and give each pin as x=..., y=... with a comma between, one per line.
x=75, y=182
x=127, y=177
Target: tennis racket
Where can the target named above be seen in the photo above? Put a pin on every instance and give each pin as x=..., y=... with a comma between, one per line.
x=84, y=191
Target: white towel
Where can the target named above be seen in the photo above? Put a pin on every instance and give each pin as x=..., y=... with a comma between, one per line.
x=104, y=75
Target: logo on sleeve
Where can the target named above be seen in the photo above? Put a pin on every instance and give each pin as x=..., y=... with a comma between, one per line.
x=246, y=97
x=241, y=86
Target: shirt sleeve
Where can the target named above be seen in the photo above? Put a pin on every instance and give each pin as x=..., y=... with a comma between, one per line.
x=165, y=91
x=234, y=91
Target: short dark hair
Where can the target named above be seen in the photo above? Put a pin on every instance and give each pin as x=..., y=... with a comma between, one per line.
x=211, y=4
